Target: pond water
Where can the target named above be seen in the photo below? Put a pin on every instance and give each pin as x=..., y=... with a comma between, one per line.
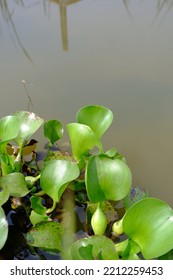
x=118, y=54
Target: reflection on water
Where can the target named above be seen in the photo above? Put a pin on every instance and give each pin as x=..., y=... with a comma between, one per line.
x=63, y=17
x=114, y=61
x=7, y=15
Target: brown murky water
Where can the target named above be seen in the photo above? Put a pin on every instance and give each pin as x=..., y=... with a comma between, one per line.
x=97, y=52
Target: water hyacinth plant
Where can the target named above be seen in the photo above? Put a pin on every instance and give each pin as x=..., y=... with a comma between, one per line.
x=88, y=180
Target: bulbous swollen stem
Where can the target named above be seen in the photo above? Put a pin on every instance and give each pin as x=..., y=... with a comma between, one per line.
x=117, y=227
x=99, y=221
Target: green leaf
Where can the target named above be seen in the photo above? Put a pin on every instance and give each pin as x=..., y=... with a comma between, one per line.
x=93, y=248
x=36, y=204
x=56, y=175
x=53, y=130
x=7, y=164
x=167, y=256
x=15, y=183
x=3, y=228
x=46, y=235
x=127, y=249
x=29, y=123
x=83, y=139
x=107, y=179
x=4, y=195
x=9, y=128
x=36, y=218
x=149, y=223
x=98, y=118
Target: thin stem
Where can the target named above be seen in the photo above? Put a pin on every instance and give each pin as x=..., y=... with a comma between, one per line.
x=52, y=208
x=27, y=93
x=40, y=193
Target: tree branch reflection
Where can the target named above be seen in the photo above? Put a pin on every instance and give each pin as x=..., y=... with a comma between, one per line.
x=8, y=17
x=63, y=19
x=162, y=6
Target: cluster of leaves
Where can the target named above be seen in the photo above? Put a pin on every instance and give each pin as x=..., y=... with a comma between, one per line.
x=101, y=178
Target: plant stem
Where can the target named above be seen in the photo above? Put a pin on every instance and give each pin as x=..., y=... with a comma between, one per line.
x=40, y=193
x=52, y=208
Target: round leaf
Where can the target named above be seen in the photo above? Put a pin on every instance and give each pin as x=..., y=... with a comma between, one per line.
x=98, y=118
x=56, y=175
x=93, y=248
x=46, y=235
x=29, y=123
x=3, y=228
x=107, y=178
x=15, y=182
x=53, y=130
x=149, y=223
x=83, y=139
x=9, y=129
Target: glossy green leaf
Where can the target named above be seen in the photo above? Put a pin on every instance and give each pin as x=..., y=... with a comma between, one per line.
x=149, y=223
x=107, y=179
x=3, y=228
x=46, y=235
x=15, y=182
x=93, y=248
x=29, y=123
x=55, y=176
x=9, y=129
x=98, y=118
x=53, y=130
x=83, y=139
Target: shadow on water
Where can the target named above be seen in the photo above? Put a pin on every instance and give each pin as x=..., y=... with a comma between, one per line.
x=7, y=15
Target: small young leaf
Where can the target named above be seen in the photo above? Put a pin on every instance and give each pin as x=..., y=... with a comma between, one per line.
x=98, y=118
x=37, y=206
x=53, y=130
x=36, y=218
x=56, y=175
x=83, y=139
